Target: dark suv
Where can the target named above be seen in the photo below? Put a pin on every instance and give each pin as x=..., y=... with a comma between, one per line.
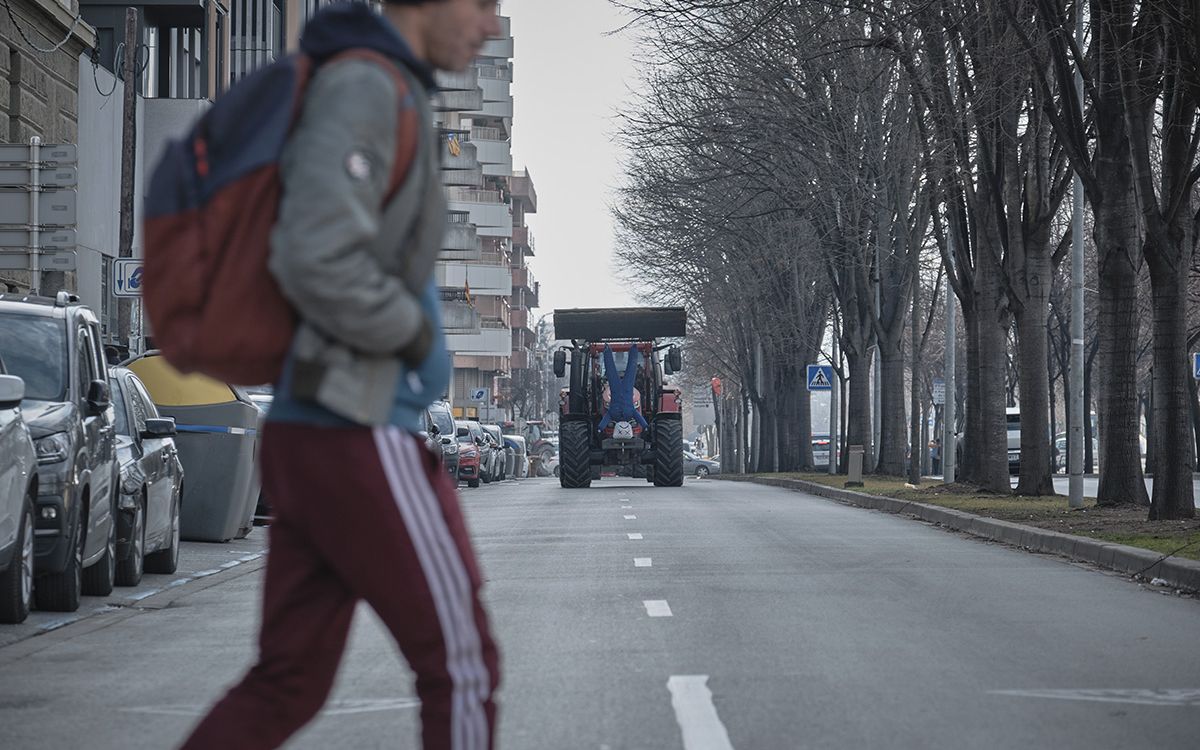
x=54, y=345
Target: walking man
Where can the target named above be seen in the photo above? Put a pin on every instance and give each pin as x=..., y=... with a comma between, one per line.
x=362, y=509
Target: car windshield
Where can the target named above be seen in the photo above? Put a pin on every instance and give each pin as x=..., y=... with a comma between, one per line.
x=34, y=348
x=118, y=402
x=441, y=417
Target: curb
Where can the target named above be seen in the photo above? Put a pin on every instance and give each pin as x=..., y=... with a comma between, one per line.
x=127, y=608
x=1133, y=561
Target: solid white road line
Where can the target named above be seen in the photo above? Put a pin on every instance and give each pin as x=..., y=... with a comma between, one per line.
x=630, y=518
x=634, y=536
x=641, y=562
x=697, y=717
x=657, y=608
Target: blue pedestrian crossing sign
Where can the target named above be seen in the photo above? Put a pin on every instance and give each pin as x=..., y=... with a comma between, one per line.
x=1196, y=366
x=820, y=377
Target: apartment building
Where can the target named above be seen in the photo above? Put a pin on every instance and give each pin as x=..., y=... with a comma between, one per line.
x=487, y=289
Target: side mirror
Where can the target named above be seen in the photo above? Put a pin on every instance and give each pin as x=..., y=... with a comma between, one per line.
x=433, y=430
x=478, y=441
x=12, y=390
x=445, y=441
x=156, y=429
x=462, y=432
x=675, y=358
x=560, y=363
x=98, y=397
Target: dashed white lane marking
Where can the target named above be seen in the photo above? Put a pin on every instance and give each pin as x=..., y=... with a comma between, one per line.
x=697, y=717
x=657, y=608
x=1180, y=697
x=626, y=507
x=641, y=562
x=630, y=518
x=634, y=536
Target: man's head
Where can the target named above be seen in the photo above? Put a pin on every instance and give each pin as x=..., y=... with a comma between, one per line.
x=447, y=34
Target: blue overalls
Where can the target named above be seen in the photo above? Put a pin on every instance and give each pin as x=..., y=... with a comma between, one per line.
x=620, y=407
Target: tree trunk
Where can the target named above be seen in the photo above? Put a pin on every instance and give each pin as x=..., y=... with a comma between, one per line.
x=968, y=464
x=1034, y=363
x=1121, y=478
x=892, y=428
x=993, y=323
x=858, y=419
x=916, y=449
x=1173, y=495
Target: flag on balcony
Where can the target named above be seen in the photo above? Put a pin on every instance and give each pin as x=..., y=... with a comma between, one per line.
x=467, y=291
x=452, y=144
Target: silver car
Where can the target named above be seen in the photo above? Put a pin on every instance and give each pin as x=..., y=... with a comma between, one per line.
x=148, y=519
x=18, y=495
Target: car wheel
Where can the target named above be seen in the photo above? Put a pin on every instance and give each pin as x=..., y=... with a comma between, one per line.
x=98, y=578
x=166, y=560
x=16, y=583
x=472, y=482
x=701, y=471
x=60, y=592
x=129, y=570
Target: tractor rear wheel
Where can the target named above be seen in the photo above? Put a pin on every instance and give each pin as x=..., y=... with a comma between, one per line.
x=668, y=452
x=574, y=449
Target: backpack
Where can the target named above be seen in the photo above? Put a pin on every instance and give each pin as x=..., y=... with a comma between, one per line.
x=214, y=306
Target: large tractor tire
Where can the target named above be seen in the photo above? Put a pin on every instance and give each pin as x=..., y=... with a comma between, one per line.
x=668, y=453
x=574, y=449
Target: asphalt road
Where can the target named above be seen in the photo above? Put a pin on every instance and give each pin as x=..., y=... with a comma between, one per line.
x=743, y=617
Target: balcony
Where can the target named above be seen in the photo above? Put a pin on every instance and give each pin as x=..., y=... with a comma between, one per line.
x=521, y=359
x=522, y=278
x=463, y=170
x=480, y=278
x=495, y=89
x=458, y=101
x=518, y=317
x=502, y=46
x=467, y=80
x=494, y=151
x=522, y=188
x=522, y=239
x=460, y=316
x=460, y=242
x=490, y=215
x=491, y=340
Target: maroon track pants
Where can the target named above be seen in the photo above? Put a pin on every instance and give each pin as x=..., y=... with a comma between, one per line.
x=361, y=514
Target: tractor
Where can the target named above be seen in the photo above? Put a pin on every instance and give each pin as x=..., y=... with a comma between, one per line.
x=618, y=411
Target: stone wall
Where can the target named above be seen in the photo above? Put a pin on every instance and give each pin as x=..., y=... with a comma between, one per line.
x=39, y=92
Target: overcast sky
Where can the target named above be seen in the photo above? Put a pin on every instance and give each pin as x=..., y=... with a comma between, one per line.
x=569, y=80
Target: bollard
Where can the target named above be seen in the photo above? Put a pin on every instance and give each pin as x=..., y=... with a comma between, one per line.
x=855, y=466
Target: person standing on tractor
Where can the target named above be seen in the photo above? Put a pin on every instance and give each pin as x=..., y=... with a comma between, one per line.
x=363, y=511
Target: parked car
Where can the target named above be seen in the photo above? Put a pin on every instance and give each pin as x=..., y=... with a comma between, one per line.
x=701, y=467
x=494, y=458
x=148, y=512
x=518, y=459
x=468, y=454
x=1012, y=420
x=18, y=495
x=499, y=451
x=54, y=346
x=262, y=396
x=820, y=448
x=480, y=440
x=439, y=423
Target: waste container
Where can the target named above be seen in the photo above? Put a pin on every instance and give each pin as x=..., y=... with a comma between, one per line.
x=217, y=434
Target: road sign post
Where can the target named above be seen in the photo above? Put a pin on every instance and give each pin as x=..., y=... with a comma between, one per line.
x=127, y=278
x=820, y=377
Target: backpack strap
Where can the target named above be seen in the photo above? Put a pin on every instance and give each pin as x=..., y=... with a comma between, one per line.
x=408, y=126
